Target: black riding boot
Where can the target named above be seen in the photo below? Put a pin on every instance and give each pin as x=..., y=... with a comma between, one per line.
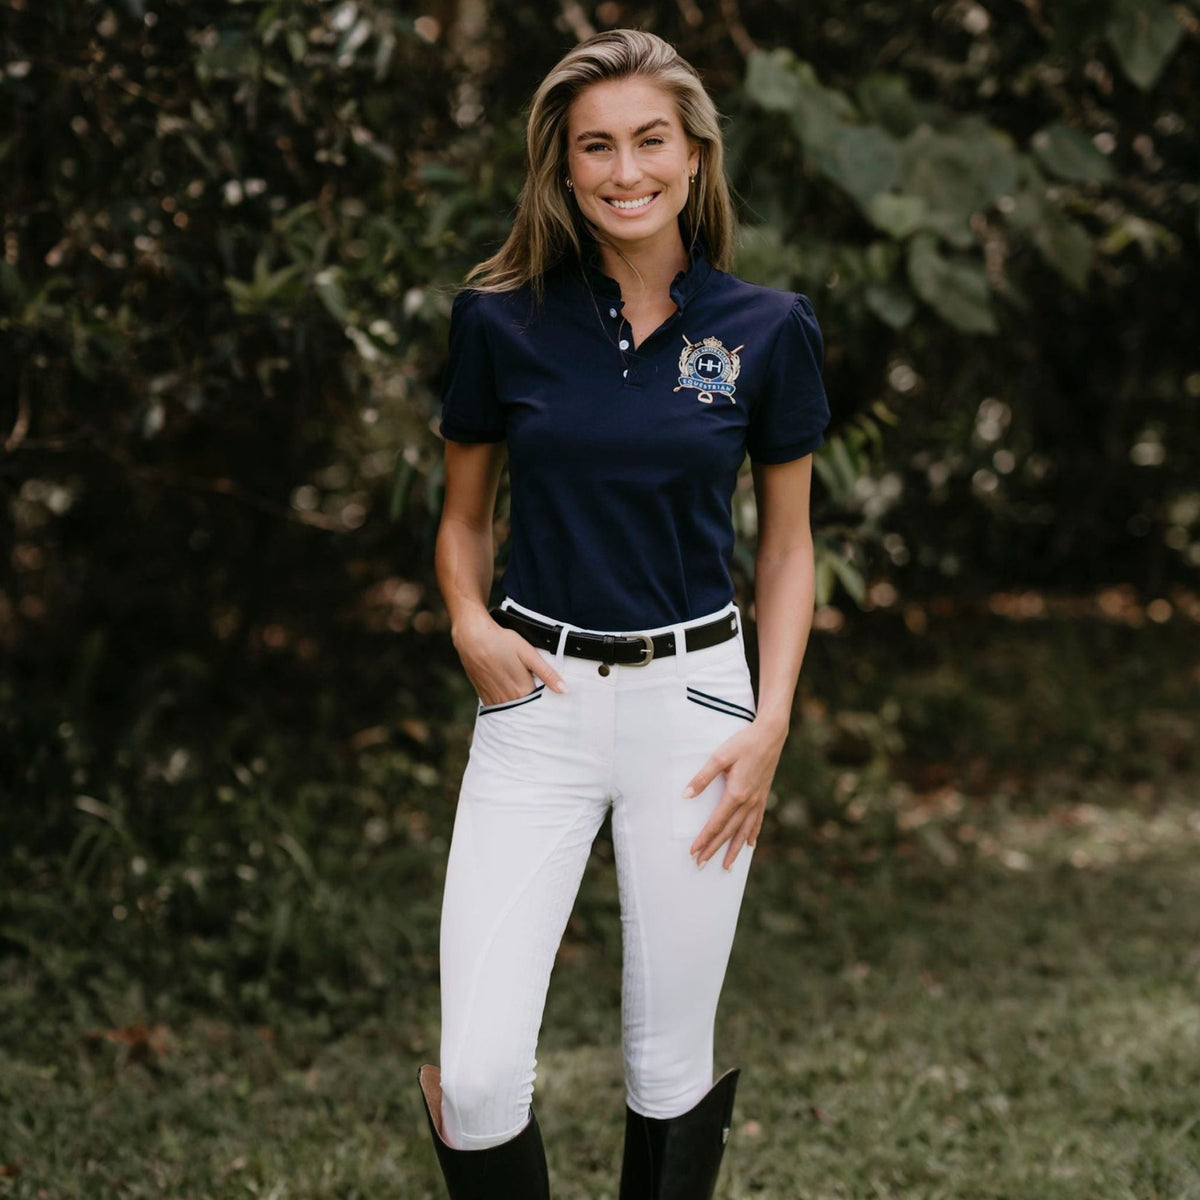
x=677, y=1158
x=514, y=1170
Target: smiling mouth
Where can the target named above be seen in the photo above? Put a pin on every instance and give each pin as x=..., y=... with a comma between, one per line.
x=631, y=205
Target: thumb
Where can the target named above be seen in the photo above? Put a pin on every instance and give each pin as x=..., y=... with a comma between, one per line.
x=542, y=669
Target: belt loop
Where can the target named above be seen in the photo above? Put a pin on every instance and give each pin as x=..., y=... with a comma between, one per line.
x=680, y=632
x=610, y=654
x=561, y=649
x=738, y=613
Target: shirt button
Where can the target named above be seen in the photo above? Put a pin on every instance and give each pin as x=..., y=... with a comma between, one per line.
x=623, y=344
x=612, y=312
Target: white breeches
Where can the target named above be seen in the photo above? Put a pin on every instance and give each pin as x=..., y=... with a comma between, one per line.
x=542, y=773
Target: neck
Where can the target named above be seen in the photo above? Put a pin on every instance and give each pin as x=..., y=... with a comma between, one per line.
x=644, y=272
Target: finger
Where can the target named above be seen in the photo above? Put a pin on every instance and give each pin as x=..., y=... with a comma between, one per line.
x=703, y=845
x=739, y=840
x=725, y=811
x=707, y=773
x=735, y=847
x=713, y=842
x=543, y=671
x=516, y=681
x=758, y=824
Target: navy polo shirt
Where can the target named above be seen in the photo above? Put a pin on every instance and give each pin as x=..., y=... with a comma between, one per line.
x=623, y=458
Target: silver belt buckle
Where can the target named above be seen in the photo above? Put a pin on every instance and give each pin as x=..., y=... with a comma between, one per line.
x=648, y=644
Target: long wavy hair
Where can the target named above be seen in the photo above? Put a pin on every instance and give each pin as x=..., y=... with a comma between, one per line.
x=549, y=228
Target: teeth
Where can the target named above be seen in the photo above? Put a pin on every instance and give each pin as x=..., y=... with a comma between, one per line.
x=632, y=203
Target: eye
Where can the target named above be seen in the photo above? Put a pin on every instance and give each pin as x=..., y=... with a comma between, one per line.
x=594, y=146
x=653, y=141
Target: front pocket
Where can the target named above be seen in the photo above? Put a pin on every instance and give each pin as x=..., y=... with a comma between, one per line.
x=721, y=705
x=529, y=698
x=715, y=701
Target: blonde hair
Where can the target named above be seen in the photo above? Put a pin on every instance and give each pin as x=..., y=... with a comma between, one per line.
x=549, y=228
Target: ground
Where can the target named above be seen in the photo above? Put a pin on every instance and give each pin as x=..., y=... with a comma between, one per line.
x=968, y=966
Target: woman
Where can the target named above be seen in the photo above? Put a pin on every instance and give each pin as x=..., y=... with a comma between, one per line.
x=628, y=373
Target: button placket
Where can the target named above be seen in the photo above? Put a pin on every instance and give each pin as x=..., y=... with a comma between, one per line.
x=623, y=342
x=614, y=312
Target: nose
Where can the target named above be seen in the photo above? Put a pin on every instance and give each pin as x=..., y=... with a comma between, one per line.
x=626, y=171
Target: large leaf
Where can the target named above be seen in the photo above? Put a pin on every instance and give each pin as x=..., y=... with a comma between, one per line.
x=892, y=305
x=771, y=80
x=1069, y=155
x=820, y=114
x=896, y=214
x=1063, y=243
x=779, y=82
x=955, y=288
x=863, y=160
x=957, y=174
x=886, y=100
x=1143, y=35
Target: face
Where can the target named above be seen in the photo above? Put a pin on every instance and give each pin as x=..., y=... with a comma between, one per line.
x=629, y=159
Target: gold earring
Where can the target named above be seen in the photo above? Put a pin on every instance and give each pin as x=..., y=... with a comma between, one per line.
x=570, y=186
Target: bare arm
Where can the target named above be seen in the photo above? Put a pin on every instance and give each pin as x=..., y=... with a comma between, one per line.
x=784, y=587
x=465, y=550
x=498, y=661
x=784, y=584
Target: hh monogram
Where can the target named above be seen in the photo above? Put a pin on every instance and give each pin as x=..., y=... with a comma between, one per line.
x=709, y=367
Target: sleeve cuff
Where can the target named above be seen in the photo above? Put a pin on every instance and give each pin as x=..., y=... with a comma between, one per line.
x=781, y=454
x=456, y=433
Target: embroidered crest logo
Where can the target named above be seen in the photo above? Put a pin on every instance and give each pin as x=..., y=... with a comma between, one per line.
x=709, y=367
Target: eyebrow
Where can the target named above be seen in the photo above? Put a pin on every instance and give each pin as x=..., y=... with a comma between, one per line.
x=593, y=134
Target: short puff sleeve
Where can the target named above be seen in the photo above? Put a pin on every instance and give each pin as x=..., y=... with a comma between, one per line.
x=471, y=410
x=789, y=416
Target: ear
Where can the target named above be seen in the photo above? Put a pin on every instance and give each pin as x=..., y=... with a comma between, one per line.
x=694, y=158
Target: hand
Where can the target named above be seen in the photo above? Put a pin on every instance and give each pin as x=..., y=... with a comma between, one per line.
x=748, y=760
x=499, y=662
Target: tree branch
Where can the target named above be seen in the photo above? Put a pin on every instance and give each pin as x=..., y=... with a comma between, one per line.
x=576, y=20
x=737, y=31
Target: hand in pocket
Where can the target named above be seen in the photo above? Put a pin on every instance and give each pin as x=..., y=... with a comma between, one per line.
x=500, y=663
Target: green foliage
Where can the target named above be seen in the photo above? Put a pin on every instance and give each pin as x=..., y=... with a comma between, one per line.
x=1065, y=152
x=1143, y=35
x=927, y=259
x=231, y=234
x=954, y=286
x=925, y=175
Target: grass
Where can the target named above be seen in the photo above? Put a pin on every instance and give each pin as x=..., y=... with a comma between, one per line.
x=968, y=963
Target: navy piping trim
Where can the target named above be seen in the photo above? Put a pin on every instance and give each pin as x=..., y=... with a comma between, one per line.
x=721, y=700
x=733, y=710
x=536, y=694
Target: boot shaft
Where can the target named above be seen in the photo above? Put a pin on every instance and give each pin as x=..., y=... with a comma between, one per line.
x=678, y=1158
x=514, y=1170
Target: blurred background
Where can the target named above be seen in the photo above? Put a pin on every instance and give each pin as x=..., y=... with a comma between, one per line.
x=232, y=724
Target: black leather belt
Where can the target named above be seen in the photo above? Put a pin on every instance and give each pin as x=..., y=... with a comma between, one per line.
x=630, y=650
